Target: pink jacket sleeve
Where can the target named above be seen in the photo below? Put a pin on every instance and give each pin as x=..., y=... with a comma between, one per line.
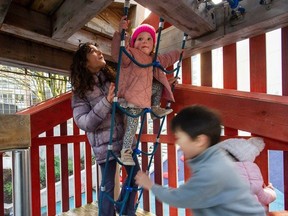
x=252, y=174
x=115, y=48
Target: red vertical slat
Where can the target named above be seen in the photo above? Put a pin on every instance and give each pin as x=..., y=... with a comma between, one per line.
x=258, y=64
x=77, y=169
x=88, y=168
x=172, y=165
x=35, y=179
x=230, y=75
x=1, y=185
x=206, y=69
x=64, y=170
x=186, y=71
x=144, y=164
x=50, y=173
x=258, y=84
x=285, y=93
x=158, y=168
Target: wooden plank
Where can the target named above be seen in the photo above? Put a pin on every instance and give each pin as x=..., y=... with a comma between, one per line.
x=35, y=181
x=186, y=15
x=34, y=55
x=56, y=110
x=230, y=75
x=73, y=15
x=14, y=132
x=258, y=113
x=50, y=176
x=187, y=71
x=29, y=20
x=77, y=169
x=70, y=45
x=4, y=7
x=258, y=64
x=257, y=21
x=284, y=39
x=206, y=68
x=2, y=185
x=44, y=6
x=64, y=170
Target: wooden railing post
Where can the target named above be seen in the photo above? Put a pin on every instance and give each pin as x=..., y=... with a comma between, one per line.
x=15, y=136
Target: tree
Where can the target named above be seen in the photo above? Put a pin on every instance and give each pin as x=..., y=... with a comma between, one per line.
x=39, y=86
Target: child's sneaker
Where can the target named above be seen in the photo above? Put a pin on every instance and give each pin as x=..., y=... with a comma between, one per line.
x=126, y=157
x=157, y=110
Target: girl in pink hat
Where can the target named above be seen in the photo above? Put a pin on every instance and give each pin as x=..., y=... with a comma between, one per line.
x=141, y=87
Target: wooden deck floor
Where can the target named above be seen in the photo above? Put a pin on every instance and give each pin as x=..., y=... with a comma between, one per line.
x=92, y=210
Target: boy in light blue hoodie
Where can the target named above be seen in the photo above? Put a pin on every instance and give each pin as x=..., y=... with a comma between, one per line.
x=215, y=188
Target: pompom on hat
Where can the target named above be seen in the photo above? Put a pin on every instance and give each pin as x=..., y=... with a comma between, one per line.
x=243, y=149
x=143, y=28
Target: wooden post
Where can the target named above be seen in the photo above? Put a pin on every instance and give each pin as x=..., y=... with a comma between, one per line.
x=15, y=136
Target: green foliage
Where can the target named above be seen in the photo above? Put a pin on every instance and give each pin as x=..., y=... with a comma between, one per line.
x=7, y=179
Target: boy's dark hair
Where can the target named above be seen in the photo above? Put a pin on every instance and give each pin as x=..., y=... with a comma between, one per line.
x=196, y=120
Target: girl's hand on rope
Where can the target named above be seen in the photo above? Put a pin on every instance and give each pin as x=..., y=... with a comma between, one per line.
x=173, y=81
x=143, y=180
x=124, y=23
x=111, y=93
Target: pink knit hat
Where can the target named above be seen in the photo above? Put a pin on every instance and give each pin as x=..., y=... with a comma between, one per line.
x=143, y=28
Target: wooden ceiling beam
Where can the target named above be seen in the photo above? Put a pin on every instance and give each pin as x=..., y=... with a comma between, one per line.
x=73, y=15
x=257, y=20
x=22, y=18
x=186, y=15
x=33, y=55
x=4, y=7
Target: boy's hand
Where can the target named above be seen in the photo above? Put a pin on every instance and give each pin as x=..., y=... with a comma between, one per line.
x=143, y=180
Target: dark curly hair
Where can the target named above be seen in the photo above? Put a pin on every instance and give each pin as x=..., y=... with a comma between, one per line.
x=81, y=78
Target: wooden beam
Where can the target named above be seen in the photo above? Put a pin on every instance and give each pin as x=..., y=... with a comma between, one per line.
x=33, y=55
x=257, y=20
x=258, y=113
x=73, y=15
x=71, y=44
x=187, y=15
x=29, y=20
x=14, y=132
x=4, y=6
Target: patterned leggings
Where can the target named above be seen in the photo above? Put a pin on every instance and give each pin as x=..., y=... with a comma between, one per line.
x=132, y=123
x=131, y=127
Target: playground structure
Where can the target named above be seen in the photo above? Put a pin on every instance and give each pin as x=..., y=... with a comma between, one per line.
x=256, y=106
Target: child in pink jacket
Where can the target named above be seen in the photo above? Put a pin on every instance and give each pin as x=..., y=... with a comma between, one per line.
x=244, y=152
x=141, y=87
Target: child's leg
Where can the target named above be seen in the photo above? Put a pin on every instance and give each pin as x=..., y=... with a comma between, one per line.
x=157, y=89
x=130, y=131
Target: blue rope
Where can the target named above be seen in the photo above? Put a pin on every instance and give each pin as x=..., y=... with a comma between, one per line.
x=115, y=105
x=156, y=144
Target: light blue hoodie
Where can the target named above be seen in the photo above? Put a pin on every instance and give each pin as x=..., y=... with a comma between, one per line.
x=214, y=189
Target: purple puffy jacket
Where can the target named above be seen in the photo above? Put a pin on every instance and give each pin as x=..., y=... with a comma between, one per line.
x=93, y=115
